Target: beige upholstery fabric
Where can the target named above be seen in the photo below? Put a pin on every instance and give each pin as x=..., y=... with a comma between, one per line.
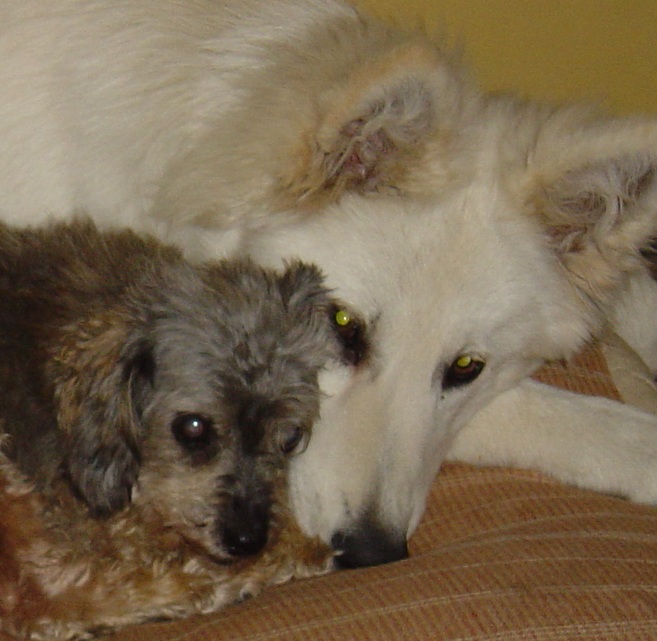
x=502, y=555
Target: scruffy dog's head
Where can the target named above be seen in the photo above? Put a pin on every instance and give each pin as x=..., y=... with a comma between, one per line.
x=182, y=389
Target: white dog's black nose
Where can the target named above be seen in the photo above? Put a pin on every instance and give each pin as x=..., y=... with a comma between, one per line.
x=370, y=546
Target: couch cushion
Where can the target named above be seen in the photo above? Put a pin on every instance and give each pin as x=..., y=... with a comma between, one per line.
x=502, y=555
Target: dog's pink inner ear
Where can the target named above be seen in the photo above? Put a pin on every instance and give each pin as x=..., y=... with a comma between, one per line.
x=372, y=151
x=371, y=130
x=363, y=154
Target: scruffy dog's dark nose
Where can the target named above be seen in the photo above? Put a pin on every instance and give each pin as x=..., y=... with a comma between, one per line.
x=368, y=546
x=246, y=529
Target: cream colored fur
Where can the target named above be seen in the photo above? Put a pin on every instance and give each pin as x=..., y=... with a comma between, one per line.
x=448, y=222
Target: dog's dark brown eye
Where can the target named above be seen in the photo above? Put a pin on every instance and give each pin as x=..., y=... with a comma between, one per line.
x=463, y=370
x=290, y=439
x=350, y=333
x=192, y=430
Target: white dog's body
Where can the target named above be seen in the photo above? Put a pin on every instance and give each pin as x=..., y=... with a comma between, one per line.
x=450, y=224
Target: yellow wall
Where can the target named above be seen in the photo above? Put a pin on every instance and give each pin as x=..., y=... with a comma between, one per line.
x=559, y=50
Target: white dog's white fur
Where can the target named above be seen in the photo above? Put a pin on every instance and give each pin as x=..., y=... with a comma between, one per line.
x=449, y=223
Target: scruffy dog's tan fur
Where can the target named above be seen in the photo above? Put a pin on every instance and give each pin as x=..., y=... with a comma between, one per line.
x=148, y=411
x=64, y=575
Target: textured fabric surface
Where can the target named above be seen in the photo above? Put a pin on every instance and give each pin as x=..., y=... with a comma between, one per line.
x=501, y=555
x=586, y=373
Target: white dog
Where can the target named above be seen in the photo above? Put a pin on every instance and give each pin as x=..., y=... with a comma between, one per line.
x=470, y=238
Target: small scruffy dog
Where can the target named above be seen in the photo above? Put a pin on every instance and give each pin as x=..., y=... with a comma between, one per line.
x=148, y=408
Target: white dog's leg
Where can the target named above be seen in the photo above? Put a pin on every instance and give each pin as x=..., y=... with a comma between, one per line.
x=587, y=441
x=634, y=317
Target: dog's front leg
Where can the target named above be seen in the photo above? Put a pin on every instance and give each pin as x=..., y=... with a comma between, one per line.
x=587, y=441
x=633, y=317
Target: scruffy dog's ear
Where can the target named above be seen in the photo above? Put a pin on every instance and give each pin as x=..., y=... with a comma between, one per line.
x=302, y=287
x=103, y=376
x=374, y=128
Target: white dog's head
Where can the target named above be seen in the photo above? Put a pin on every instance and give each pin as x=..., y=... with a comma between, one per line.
x=449, y=302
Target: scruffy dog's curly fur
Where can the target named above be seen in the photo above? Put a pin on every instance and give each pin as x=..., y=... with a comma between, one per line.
x=148, y=408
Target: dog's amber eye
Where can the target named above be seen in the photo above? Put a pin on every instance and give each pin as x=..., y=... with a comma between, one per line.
x=192, y=430
x=342, y=317
x=351, y=335
x=463, y=370
x=290, y=439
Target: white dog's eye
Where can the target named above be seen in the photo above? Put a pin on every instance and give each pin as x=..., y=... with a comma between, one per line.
x=351, y=333
x=463, y=370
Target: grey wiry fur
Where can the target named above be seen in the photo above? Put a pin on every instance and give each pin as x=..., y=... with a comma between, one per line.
x=134, y=376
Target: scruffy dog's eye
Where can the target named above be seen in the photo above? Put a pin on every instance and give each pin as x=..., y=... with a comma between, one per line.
x=351, y=334
x=463, y=370
x=193, y=431
x=290, y=439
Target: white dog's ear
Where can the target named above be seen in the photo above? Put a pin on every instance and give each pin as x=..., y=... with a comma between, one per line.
x=596, y=192
x=373, y=128
x=104, y=375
